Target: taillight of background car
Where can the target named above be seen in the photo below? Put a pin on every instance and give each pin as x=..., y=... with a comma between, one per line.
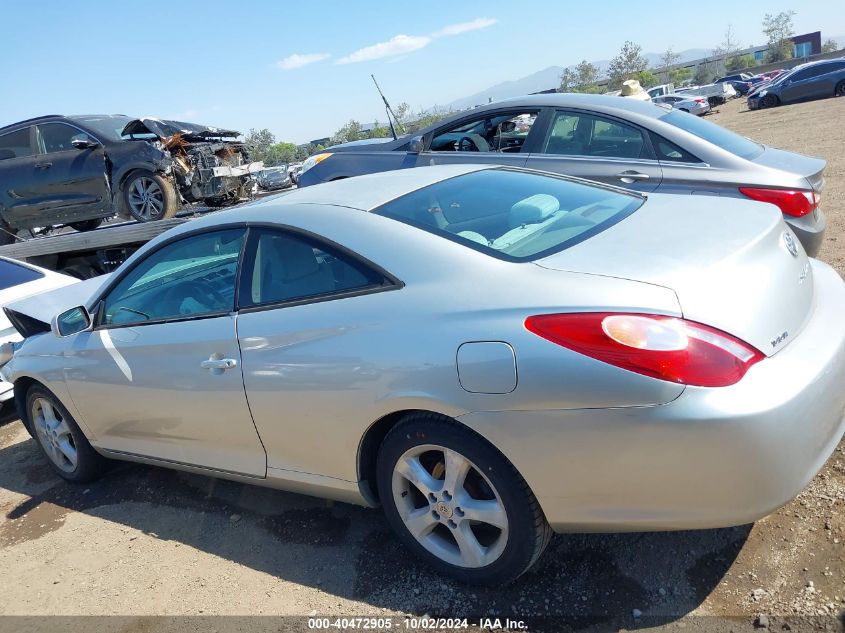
x=667, y=348
x=794, y=202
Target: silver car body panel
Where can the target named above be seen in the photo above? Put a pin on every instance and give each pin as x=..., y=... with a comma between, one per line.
x=315, y=376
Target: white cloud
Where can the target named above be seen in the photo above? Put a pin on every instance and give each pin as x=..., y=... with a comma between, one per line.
x=464, y=27
x=398, y=45
x=298, y=61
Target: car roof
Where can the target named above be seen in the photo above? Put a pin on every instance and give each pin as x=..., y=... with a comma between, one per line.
x=572, y=100
x=52, y=117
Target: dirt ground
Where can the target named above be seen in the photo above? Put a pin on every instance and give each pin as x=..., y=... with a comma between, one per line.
x=146, y=541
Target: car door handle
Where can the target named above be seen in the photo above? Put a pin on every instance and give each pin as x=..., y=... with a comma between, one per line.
x=43, y=165
x=219, y=363
x=631, y=176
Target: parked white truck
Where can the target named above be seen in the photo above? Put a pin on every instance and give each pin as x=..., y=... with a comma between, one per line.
x=716, y=94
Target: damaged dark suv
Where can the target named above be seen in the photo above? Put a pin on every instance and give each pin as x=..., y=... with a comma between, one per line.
x=79, y=170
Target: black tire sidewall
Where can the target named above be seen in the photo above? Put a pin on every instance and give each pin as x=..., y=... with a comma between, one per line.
x=89, y=463
x=514, y=494
x=168, y=193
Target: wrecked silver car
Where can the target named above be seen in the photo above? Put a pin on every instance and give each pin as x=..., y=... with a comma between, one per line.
x=78, y=170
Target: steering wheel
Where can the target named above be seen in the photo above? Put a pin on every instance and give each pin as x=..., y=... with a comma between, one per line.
x=195, y=289
x=466, y=144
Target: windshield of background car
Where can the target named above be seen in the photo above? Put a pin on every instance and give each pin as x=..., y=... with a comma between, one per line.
x=727, y=140
x=513, y=215
x=106, y=127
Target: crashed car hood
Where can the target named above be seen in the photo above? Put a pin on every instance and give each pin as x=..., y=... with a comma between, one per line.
x=165, y=128
x=28, y=313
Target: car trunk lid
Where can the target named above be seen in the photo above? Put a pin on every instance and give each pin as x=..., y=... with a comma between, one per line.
x=729, y=261
x=806, y=166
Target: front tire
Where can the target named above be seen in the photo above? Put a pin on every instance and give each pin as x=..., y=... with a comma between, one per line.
x=770, y=101
x=839, y=91
x=457, y=503
x=148, y=197
x=61, y=441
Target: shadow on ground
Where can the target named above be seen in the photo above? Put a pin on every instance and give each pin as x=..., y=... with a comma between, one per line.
x=590, y=580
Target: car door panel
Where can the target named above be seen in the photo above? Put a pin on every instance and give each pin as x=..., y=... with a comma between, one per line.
x=67, y=184
x=143, y=390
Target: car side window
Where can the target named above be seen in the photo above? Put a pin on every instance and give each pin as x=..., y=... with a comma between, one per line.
x=55, y=137
x=581, y=134
x=193, y=277
x=15, y=144
x=282, y=267
x=668, y=151
x=494, y=132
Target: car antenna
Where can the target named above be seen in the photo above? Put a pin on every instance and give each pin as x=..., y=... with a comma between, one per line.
x=389, y=111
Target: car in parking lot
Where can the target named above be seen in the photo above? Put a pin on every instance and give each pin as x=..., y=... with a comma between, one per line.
x=79, y=170
x=624, y=142
x=693, y=105
x=274, y=178
x=19, y=281
x=814, y=80
x=466, y=345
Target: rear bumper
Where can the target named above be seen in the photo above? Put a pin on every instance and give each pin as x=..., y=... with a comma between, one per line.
x=710, y=458
x=809, y=230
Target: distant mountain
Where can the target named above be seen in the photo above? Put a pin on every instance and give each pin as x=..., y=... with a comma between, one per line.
x=550, y=78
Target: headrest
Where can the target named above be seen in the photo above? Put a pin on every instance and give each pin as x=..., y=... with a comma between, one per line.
x=533, y=209
x=290, y=259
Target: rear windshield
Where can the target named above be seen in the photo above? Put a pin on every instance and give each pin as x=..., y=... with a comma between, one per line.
x=12, y=274
x=513, y=215
x=716, y=134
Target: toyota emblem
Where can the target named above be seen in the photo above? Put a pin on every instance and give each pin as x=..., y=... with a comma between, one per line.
x=791, y=246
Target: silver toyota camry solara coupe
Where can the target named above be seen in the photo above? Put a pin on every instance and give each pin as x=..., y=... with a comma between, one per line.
x=490, y=353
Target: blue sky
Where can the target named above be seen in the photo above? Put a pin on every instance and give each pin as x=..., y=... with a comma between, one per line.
x=303, y=68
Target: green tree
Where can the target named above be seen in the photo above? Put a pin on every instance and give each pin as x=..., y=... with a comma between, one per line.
x=740, y=62
x=581, y=78
x=351, y=131
x=779, y=30
x=646, y=78
x=680, y=75
x=258, y=143
x=829, y=46
x=628, y=61
x=667, y=64
x=703, y=73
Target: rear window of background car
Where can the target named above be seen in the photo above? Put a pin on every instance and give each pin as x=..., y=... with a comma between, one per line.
x=12, y=274
x=513, y=215
x=727, y=140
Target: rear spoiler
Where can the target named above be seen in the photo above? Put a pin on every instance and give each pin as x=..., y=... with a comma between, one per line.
x=33, y=315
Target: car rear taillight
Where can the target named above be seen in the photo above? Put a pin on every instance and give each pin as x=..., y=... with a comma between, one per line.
x=702, y=101
x=662, y=347
x=794, y=202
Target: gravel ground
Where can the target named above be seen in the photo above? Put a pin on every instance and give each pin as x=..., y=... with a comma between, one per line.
x=146, y=541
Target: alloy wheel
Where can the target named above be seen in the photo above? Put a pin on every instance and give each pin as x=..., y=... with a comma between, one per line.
x=146, y=199
x=449, y=506
x=54, y=434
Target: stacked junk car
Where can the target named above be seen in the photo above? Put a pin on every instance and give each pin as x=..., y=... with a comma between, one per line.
x=80, y=170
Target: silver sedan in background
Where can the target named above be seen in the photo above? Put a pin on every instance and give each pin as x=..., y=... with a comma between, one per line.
x=694, y=105
x=489, y=353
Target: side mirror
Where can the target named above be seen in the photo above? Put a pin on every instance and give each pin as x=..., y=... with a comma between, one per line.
x=71, y=321
x=83, y=141
x=416, y=145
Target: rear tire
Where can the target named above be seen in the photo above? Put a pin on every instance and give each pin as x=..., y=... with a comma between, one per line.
x=839, y=91
x=61, y=441
x=468, y=513
x=87, y=225
x=148, y=197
